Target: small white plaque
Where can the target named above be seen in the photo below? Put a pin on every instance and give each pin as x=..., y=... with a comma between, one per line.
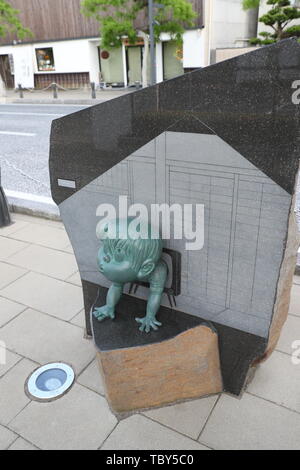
x=66, y=183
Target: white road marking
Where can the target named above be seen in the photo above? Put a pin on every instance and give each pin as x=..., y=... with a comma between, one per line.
x=47, y=105
x=23, y=134
x=31, y=114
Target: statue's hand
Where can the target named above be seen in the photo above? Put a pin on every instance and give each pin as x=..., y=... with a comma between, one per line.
x=101, y=313
x=148, y=323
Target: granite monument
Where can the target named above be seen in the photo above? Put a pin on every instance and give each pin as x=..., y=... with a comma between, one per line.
x=225, y=137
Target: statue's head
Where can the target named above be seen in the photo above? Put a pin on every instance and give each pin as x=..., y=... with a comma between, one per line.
x=124, y=257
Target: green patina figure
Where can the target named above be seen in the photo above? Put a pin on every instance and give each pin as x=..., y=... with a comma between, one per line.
x=128, y=260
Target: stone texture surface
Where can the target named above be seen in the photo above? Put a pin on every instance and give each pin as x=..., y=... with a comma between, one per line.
x=91, y=378
x=142, y=377
x=251, y=424
x=45, y=261
x=46, y=294
x=278, y=380
x=12, y=394
x=140, y=433
x=181, y=417
x=9, y=310
x=44, y=235
x=294, y=307
x=289, y=334
x=285, y=282
x=6, y=437
x=54, y=340
x=14, y=227
x=9, y=247
x=21, y=444
x=81, y=420
x=10, y=360
x=9, y=274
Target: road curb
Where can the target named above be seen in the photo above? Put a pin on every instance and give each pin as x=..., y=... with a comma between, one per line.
x=30, y=204
x=57, y=101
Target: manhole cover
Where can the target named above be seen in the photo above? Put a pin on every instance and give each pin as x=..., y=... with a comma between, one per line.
x=50, y=381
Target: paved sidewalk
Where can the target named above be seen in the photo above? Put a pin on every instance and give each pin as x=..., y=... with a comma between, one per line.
x=80, y=96
x=41, y=320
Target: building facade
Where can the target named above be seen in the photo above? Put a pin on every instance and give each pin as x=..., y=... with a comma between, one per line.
x=66, y=46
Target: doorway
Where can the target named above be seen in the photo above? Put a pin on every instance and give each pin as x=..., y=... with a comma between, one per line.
x=172, y=65
x=134, y=64
x=5, y=71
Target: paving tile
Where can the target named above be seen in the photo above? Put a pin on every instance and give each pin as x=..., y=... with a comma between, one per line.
x=47, y=295
x=187, y=418
x=140, y=433
x=9, y=310
x=75, y=279
x=45, y=261
x=295, y=300
x=46, y=339
x=9, y=247
x=278, y=380
x=6, y=437
x=9, y=273
x=296, y=280
x=14, y=227
x=91, y=378
x=7, y=359
x=251, y=423
x=69, y=249
x=44, y=235
x=80, y=420
x=38, y=220
x=12, y=394
x=79, y=319
x=289, y=334
x=21, y=444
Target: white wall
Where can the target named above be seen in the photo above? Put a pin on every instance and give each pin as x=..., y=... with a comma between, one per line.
x=94, y=61
x=194, y=49
x=69, y=56
x=23, y=64
x=229, y=23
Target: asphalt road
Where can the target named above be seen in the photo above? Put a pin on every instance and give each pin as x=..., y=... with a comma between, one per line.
x=24, y=145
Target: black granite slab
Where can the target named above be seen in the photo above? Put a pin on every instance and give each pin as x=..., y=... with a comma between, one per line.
x=245, y=100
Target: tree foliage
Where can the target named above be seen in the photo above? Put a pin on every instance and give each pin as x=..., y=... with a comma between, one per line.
x=248, y=4
x=278, y=17
x=10, y=21
x=117, y=19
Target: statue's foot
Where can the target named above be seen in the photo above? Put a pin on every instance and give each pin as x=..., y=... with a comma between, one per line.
x=101, y=313
x=148, y=323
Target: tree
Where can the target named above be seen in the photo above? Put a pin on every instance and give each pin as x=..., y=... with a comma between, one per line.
x=10, y=21
x=117, y=20
x=278, y=17
x=248, y=4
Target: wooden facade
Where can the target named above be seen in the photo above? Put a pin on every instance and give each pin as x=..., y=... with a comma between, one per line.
x=62, y=19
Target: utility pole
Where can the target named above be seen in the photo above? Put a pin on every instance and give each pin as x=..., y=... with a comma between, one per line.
x=152, y=42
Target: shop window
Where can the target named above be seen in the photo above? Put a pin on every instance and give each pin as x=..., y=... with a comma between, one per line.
x=45, y=59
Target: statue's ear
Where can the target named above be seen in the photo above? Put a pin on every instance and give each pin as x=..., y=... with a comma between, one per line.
x=146, y=269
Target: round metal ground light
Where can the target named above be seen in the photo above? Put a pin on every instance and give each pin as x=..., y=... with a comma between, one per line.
x=50, y=382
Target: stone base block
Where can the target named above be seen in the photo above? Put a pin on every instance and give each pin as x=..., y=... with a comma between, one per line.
x=186, y=366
